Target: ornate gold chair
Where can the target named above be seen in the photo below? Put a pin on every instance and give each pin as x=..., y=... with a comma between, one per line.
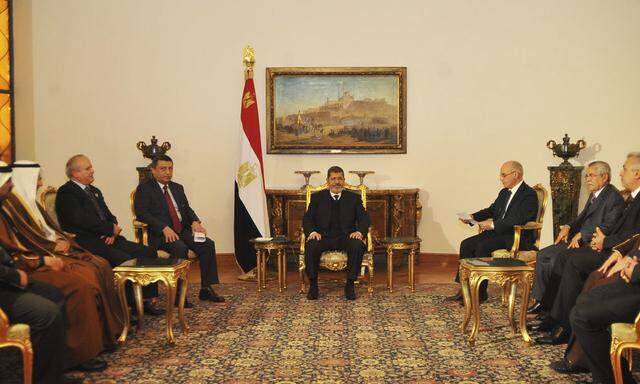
x=624, y=339
x=141, y=230
x=48, y=201
x=528, y=256
x=17, y=336
x=337, y=260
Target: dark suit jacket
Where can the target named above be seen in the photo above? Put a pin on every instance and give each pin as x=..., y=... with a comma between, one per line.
x=627, y=226
x=522, y=209
x=151, y=206
x=353, y=216
x=77, y=214
x=9, y=276
x=603, y=213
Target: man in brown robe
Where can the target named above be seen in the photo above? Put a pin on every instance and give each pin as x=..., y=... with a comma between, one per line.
x=76, y=278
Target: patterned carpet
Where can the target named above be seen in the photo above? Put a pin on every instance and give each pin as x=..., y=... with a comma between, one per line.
x=274, y=337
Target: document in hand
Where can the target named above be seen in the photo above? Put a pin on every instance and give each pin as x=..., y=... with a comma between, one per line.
x=467, y=217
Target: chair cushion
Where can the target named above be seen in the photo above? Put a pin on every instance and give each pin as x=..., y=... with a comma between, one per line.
x=624, y=332
x=526, y=256
x=18, y=332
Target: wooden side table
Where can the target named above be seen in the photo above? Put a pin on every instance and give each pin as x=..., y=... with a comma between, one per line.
x=144, y=274
x=401, y=243
x=475, y=271
x=263, y=247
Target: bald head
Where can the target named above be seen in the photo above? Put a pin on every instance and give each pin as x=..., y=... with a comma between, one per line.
x=511, y=173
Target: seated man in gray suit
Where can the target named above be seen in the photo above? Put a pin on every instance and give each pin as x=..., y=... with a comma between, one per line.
x=604, y=207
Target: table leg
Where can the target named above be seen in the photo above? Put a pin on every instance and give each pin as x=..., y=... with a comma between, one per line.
x=526, y=286
x=390, y=269
x=183, y=297
x=475, y=308
x=120, y=283
x=284, y=269
x=466, y=297
x=265, y=255
x=171, y=298
x=137, y=294
x=259, y=269
x=412, y=255
x=279, y=262
x=512, y=303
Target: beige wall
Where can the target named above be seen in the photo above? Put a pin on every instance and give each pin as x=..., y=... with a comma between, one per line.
x=487, y=81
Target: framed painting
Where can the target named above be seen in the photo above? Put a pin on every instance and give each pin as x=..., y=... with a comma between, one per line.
x=337, y=110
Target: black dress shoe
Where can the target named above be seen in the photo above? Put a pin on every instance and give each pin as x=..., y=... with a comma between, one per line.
x=563, y=366
x=72, y=380
x=534, y=309
x=457, y=297
x=559, y=335
x=110, y=348
x=349, y=291
x=208, y=294
x=543, y=326
x=187, y=303
x=96, y=364
x=313, y=292
x=152, y=309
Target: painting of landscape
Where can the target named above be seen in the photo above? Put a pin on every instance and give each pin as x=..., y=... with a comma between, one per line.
x=334, y=111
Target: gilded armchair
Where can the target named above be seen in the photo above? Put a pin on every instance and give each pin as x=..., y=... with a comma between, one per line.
x=624, y=339
x=337, y=260
x=529, y=256
x=17, y=336
x=141, y=230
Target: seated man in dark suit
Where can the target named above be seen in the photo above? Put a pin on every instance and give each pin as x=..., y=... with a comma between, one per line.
x=596, y=310
x=604, y=207
x=517, y=204
x=581, y=262
x=163, y=205
x=81, y=210
x=335, y=220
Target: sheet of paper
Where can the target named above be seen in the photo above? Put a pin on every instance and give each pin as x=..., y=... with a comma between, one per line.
x=468, y=217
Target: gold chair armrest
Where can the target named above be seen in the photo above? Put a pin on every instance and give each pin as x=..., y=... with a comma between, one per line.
x=144, y=228
x=529, y=225
x=627, y=245
x=4, y=326
x=302, y=241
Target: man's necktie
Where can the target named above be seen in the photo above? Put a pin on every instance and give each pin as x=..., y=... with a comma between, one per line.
x=336, y=197
x=177, y=225
x=504, y=210
x=94, y=201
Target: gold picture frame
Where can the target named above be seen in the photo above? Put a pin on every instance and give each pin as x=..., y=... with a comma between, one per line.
x=336, y=110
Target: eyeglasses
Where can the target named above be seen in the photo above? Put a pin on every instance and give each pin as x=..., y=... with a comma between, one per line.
x=503, y=175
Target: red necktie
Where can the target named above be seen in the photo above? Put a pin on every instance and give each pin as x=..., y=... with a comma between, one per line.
x=177, y=226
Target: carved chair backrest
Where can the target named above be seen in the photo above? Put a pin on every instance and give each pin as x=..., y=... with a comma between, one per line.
x=543, y=197
x=362, y=189
x=48, y=202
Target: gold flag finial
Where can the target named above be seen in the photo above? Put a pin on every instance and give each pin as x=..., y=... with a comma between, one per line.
x=248, y=59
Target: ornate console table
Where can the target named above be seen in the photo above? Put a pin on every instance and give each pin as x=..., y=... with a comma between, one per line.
x=394, y=213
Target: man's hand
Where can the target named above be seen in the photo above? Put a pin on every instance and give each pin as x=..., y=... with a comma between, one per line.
x=486, y=225
x=356, y=235
x=314, y=236
x=169, y=235
x=615, y=256
x=116, y=230
x=597, y=242
x=563, y=235
x=62, y=246
x=196, y=226
x=54, y=263
x=628, y=269
x=575, y=241
x=109, y=240
x=24, y=279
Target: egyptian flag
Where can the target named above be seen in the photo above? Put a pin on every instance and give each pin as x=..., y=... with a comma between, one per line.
x=250, y=219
